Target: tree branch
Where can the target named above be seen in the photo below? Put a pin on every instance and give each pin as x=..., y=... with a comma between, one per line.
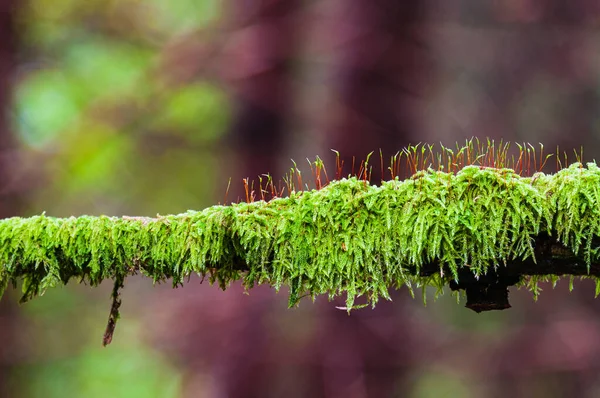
x=479, y=230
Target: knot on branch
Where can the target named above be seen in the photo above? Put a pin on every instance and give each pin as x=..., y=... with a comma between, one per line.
x=487, y=292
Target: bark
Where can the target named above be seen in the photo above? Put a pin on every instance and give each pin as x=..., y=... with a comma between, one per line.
x=490, y=291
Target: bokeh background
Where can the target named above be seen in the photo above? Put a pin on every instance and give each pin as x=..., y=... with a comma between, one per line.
x=143, y=107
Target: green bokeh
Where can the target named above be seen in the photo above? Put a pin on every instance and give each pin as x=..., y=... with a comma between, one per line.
x=130, y=371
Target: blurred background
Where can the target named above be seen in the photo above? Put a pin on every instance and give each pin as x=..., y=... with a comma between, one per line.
x=143, y=107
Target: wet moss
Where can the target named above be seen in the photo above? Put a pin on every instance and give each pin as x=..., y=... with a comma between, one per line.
x=349, y=237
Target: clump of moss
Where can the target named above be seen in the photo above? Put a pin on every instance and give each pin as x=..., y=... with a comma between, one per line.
x=349, y=238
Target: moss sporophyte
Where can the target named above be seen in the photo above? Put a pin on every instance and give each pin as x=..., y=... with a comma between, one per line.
x=460, y=218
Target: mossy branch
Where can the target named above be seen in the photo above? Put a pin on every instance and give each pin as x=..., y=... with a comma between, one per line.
x=481, y=229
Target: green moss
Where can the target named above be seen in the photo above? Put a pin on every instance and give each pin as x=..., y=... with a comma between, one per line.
x=348, y=238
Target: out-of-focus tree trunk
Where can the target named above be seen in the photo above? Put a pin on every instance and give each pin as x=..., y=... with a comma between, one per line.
x=10, y=199
x=379, y=79
x=262, y=46
x=256, y=64
x=266, y=33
